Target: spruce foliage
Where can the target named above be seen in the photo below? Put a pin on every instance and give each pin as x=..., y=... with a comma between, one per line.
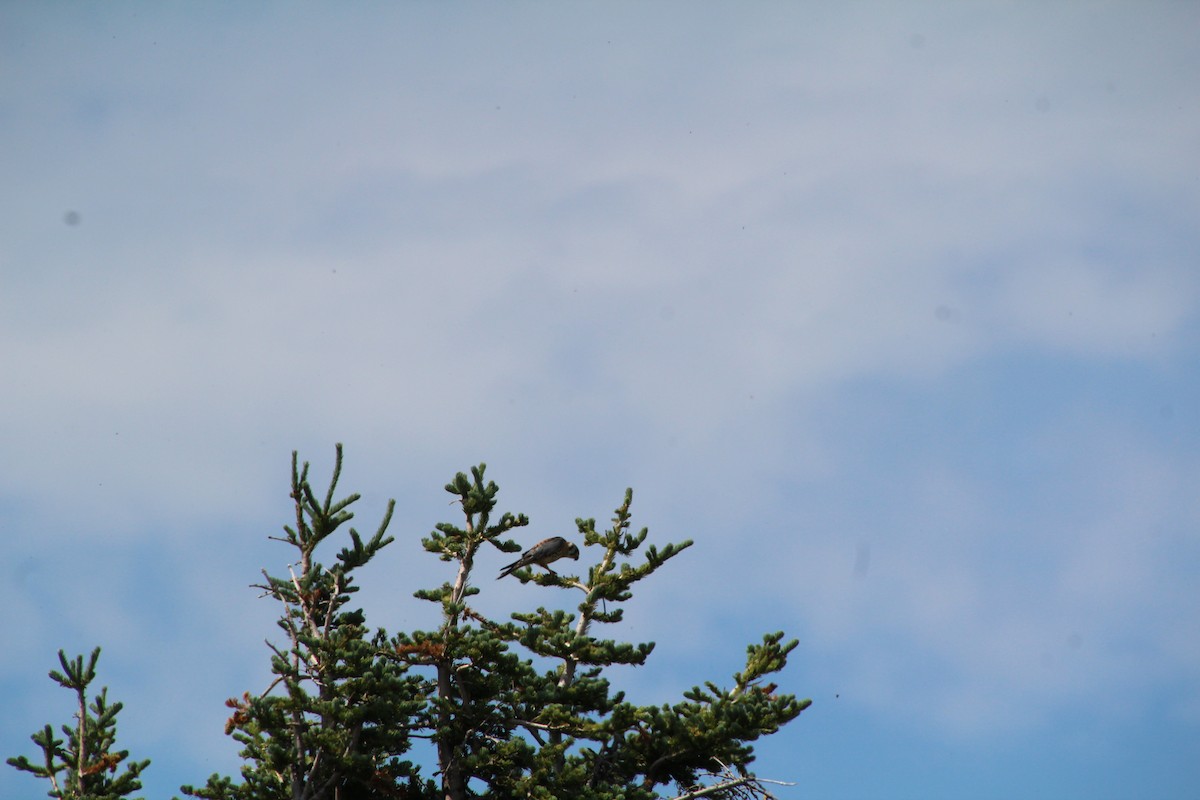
x=84, y=765
x=516, y=708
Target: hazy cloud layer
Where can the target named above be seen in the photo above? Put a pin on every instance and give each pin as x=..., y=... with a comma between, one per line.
x=893, y=309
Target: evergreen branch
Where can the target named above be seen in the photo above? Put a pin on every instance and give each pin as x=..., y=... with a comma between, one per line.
x=345, y=705
x=85, y=757
x=337, y=473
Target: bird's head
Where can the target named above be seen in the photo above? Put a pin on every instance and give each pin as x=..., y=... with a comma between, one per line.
x=572, y=551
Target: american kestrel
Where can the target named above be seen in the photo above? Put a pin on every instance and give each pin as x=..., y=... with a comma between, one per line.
x=543, y=553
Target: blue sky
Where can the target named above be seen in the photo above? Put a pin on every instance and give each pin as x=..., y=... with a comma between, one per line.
x=893, y=308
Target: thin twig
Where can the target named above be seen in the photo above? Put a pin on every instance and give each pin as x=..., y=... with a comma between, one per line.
x=716, y=787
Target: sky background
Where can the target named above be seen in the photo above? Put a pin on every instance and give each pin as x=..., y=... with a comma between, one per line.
x=893, y=308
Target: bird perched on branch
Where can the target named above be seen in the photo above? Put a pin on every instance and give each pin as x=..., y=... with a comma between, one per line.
x=544, y=552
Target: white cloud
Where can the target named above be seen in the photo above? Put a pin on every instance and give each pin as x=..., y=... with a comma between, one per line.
x=1094, y=310
x=986, y=618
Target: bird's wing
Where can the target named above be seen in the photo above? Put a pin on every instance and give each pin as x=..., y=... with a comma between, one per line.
x=545, y=550
x=543, y=553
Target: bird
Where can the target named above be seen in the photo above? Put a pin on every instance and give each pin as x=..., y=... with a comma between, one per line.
x=543, y=553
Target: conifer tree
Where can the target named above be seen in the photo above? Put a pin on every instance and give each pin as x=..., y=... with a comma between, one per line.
x=337, y=717
x=516, y=708
x=84, y=765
